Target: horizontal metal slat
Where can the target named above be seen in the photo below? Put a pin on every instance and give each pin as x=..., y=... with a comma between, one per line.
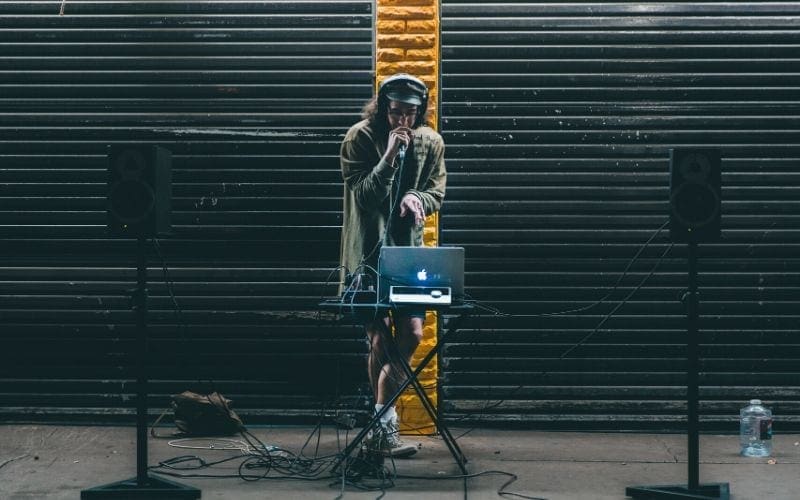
x=251, y=95
x=166, y=7
x=162, y=21
x=457, y=54
x=197, y=35
x=471, y=9
x=593, y=36
x=545, y=107
x=736, y=21
x=40, y=51
x=185, y=89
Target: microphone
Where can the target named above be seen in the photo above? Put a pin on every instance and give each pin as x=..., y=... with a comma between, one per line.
x=401, y=153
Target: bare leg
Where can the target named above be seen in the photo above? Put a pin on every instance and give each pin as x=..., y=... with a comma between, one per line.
x=378, y=355
x=385, y=373
x=409, y=335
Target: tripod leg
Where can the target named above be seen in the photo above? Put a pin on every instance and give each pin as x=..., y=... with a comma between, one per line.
x=411, y=376
x=430, y=409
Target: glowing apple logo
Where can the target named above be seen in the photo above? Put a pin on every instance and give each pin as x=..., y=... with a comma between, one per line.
x=422, y=275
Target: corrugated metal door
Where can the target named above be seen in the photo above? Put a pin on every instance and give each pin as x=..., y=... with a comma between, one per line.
x=253, y=99
x=558, y=119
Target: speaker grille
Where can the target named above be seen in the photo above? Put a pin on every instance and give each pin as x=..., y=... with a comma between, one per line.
x=139, y=191
x=694, y=200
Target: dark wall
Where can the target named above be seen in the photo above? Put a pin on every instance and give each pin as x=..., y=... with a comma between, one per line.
x=559, y=119
x=252, y=99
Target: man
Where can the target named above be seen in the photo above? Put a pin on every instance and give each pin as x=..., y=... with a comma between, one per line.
x=393, y=169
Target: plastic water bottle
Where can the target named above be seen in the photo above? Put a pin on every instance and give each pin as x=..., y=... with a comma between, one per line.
x=755, y=430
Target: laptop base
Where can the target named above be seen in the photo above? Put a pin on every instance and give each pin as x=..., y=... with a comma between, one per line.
x=420, y=295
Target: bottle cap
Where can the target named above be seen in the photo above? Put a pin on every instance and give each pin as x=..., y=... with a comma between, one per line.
x=755, y=401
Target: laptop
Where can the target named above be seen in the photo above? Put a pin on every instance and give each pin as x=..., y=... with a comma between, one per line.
x=421, y=275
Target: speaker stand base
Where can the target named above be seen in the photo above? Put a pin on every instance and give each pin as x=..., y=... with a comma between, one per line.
x=709, y=491
x=155, y=488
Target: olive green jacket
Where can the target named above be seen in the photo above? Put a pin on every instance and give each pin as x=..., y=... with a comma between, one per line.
x=371, y=187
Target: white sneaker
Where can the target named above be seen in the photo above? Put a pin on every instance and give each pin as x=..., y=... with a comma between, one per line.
x=392, y=445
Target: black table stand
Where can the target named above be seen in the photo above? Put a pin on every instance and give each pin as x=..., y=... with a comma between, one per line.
x=410, y=379
x=143, y=486
x=694, y=490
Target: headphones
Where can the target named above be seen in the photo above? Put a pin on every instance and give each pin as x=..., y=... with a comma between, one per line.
x=403, y=82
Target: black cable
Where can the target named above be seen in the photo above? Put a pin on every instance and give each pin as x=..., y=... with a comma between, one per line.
x=622, y=276
x=622, y=303
x=500, y=492
x=485, y=307
x=585, y=308
x=169, y=284
x=576, y=345
x=262, y=462
x=181, y=327
x=596, y=328
x=614, y=288
x=327, y=283
x=588, y=335
x=291, y=467
x=394, y=201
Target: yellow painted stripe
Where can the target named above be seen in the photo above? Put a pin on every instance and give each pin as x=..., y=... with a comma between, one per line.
x=407, y=41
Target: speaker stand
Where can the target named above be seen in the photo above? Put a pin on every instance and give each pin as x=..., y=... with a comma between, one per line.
x=719, y=491
x=144, y=486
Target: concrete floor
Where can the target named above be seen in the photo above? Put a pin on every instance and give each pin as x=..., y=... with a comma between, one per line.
x=57, y=462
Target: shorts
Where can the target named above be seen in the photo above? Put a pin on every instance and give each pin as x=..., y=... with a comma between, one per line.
x=403, y=312
x=412, y=312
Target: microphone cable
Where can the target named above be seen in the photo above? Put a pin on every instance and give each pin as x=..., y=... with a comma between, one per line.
x=394, y=198
x=394, y=194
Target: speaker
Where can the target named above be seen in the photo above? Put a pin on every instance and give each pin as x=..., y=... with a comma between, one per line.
x=139, y=191
x=694, y=195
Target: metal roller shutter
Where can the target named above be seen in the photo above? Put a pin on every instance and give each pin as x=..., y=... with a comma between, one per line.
x=253, y=99
x=558, y=119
